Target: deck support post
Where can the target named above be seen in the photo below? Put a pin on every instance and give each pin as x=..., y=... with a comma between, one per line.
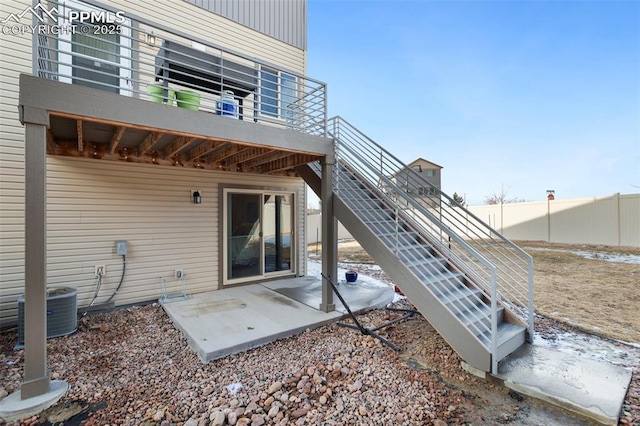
x=329, y=235
x=37, y=391
x=36, y=373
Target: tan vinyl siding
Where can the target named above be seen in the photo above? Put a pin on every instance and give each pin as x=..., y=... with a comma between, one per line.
x=289, y=25
x=216, y=29
x=16, y=58
x=93, y=204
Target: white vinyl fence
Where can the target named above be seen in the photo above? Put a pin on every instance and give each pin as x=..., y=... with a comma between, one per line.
x=314, y=229
x=611, y=220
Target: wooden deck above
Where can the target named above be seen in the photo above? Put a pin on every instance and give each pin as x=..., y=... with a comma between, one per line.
x=89, y=123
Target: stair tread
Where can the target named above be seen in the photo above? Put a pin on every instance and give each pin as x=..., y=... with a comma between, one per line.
x=402, y=233
x=446, y=276
x=484, y=309
x=415, y=246
x=479, y=313
x=506, y=331
x=459, y=294
x=424, y=261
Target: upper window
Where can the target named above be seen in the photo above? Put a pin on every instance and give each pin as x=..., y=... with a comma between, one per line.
x=430, y=172
x=277, y=93
x=95, y=56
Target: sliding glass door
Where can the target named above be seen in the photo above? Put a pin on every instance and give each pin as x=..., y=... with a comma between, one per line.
x=258, y=233
x=243, y=235
x=278, y=214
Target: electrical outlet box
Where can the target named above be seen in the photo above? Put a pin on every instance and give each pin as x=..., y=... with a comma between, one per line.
x=100, y=270
x=179, y=273
x=121, y=248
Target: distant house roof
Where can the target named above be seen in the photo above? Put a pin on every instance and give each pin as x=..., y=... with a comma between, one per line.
x=424, y=163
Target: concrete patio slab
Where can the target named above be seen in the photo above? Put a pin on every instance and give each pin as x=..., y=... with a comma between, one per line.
x=236, y=319
x=360, y=296
x=589, y=388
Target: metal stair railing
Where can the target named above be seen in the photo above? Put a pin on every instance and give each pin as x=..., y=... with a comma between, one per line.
x=504, y=269
x=130, y=57
x=426, y=255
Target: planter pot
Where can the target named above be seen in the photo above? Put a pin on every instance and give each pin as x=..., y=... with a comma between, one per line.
x=351, y=276
x=188, y=99
x=156, y=93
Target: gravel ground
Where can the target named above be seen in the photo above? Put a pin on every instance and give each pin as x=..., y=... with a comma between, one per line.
x=132, y=366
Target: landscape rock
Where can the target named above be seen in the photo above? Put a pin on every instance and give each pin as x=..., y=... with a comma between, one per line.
x=275, y=387
x=329, y=376
x=217, y=418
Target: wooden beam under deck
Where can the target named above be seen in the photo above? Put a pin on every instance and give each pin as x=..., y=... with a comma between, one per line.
x=177, y=145
x=115, y=139
x=202, y=150
x=182, y=151
x=220, y=155
x=262, y=159
x=80, y=135
x=50, y=142
x=148, y=142
x=286, y=163
x=245, y=155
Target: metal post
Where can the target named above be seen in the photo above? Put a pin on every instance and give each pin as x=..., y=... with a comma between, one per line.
x=329, y=240
x=36, y=373
x=494, y=322
x=530, y=294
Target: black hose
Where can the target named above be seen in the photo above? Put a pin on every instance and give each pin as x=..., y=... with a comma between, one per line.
x=124, y=268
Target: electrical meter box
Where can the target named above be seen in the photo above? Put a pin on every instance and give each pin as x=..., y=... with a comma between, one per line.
x=121, y=248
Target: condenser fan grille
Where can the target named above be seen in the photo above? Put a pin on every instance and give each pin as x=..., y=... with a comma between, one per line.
x=62, y=313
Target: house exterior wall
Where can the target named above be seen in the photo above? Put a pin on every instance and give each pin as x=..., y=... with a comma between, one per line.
x=147, y=206
x=288, y=25
x=428, y=171
x=193, y=20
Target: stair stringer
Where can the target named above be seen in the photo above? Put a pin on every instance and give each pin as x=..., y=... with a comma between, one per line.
x=310, y=177
x=461, y=339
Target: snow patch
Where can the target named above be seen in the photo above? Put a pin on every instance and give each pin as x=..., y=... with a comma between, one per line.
x=593, y=347
x=607, y=257
x=314, y=269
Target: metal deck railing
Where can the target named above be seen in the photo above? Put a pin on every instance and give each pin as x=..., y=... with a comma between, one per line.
x=133, y=56
x=502, y=269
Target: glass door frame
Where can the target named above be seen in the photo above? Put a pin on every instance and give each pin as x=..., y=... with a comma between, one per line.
x=224, y=231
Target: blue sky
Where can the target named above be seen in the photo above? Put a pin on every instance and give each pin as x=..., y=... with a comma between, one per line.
x=521, y=95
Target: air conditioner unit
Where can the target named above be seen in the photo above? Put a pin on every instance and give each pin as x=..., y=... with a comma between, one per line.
x=62, y=313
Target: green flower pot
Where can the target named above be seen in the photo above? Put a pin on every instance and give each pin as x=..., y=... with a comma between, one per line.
x=188, y=99
x=156, y=93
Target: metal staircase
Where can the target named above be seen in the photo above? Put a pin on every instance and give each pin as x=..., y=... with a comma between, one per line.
x=472, y=284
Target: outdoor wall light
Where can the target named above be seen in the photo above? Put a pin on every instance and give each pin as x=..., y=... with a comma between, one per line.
x=195, y=195
x=151, y=39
